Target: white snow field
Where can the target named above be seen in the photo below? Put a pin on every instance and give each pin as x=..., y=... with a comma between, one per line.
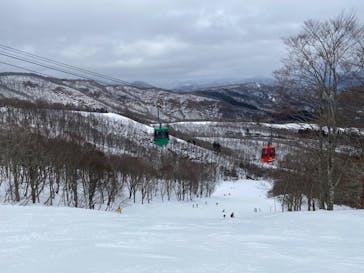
x=178, y=237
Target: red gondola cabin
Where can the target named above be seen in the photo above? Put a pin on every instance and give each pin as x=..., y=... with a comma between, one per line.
x=268, y=154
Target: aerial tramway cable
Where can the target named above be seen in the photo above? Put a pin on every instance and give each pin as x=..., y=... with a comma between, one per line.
x=60, y=64
x=26, y=69
x=48, y=66
x=52, y=64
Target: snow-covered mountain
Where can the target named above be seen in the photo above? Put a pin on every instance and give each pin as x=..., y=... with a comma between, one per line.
x=254, y=98
x=238, y=101
x=131, y=100
x=33, y=87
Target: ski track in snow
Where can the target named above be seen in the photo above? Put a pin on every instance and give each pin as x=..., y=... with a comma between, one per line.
x=178, y=237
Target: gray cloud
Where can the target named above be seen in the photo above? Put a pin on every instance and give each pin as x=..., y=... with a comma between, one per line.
x=163, y=41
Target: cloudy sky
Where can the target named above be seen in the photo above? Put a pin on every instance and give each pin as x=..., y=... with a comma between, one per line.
x=163, y=42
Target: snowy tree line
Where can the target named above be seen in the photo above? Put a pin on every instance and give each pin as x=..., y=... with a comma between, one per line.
x=59, y=157
x=296, y=180
x=324, y=67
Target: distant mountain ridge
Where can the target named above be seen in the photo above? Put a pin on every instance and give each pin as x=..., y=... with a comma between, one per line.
x=259, y=99
x=247, y=101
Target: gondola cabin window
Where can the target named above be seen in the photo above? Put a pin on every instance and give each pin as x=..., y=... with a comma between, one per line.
x=268, y=154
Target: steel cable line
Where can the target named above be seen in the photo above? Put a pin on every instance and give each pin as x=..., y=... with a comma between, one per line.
x=64, y=65
x=26, y=69
x=50, y=67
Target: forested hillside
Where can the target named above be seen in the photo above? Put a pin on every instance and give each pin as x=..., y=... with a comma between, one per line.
x=87, y=159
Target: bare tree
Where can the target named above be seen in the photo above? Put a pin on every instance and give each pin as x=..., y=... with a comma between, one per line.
x=322, y=59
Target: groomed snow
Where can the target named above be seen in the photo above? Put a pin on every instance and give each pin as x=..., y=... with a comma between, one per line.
x=178, y=237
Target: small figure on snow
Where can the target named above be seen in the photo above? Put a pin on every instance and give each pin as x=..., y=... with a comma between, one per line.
x=232, y=215
x=118, y=210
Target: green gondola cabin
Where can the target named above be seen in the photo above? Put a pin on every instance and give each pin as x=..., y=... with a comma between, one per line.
x=161, y=136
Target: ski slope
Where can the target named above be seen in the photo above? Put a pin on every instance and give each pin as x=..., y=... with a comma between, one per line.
x=181, y=237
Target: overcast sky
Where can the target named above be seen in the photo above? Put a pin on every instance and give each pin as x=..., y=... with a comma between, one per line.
x=163, y=42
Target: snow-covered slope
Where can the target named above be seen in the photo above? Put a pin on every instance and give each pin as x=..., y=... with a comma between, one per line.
x=180, y=237
x=136, y=102
x=248, y=101
x=174, y=106
x=32, y=87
